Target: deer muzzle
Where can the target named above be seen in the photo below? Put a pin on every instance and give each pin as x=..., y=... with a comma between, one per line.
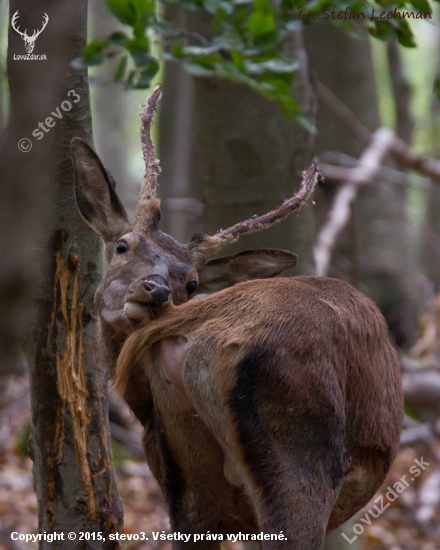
x=158, y=289
x=146, y=298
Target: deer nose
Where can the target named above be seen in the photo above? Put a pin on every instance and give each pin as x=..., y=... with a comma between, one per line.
x=158, y=288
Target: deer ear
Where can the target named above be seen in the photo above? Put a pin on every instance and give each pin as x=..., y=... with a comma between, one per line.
x=220, y=273
x=95, y=194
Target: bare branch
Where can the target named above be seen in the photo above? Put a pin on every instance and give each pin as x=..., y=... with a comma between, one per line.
x=369, y=164
x=396, y=177
x=343, y=113
x=310, y=177
x=401, y=151
x=422, y=390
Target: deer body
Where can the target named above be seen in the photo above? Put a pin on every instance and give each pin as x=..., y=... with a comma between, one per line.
x=291, y=397
x=268, y=405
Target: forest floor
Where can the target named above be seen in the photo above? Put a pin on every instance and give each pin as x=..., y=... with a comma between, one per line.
x=410, y=522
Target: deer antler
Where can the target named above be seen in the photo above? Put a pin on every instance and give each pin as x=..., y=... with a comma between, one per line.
x=16, y=29
x=204, y=247
x=148, y=209
x=310, y=177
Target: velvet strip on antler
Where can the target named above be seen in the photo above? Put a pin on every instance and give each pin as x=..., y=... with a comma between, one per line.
x=147, y=213
x=208, y=246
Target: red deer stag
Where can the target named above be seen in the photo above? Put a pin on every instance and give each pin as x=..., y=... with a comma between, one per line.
x=269, y=405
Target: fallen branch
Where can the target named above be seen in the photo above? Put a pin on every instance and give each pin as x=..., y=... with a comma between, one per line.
x=343, y=173
x=369, y=164
x=422, y=390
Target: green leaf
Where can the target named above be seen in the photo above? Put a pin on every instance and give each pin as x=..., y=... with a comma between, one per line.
x=93, y=53
x=124, y=10
x=260, y=23
x=120, y=69
x=144, y=9
x=131, y=11
x=177, y=49
x=238, y=61
x=139, y=49
x=405, y=35
x=141, y=78
x=422, y=5
x=118, y=38
x=139, y=29
x=192, y=5
x=437, y=86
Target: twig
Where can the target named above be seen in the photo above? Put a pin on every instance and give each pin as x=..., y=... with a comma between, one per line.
x=339, y=215
x=399, y=149
x=396, y=177
x=343, y=113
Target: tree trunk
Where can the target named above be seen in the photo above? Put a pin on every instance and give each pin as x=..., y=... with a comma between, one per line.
x=25, y=176
x=70, y=443
x=246, y=158
x=369, y=253
x=430, y=256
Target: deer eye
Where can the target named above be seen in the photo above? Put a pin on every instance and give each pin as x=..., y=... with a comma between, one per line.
x=121, y=247
x=191, y=287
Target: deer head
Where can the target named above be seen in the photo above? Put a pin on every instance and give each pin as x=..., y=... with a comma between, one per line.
x=29, y=41
x=148, y=268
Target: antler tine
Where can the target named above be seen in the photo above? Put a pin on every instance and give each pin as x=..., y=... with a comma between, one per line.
x=310, y=178
x=147, y=211
x=204, y=247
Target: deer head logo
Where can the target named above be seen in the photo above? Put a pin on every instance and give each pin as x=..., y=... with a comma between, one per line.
x=29, y=41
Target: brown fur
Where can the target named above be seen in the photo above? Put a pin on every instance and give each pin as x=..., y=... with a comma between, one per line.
x=272, y=405
x=344, y=363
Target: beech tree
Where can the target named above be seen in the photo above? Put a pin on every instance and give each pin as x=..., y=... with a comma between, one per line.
x=70, y=442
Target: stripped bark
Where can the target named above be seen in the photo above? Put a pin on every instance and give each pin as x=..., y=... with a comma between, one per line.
x=70, y=443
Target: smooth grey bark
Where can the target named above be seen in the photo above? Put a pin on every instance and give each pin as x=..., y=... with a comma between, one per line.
x=109, y=103
x=70, y=443
x=430, y=256
x=401, y=92
x=377, y=247
x=246, y=158
x=344, y=65
x=25, y=189
x=176, y=145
